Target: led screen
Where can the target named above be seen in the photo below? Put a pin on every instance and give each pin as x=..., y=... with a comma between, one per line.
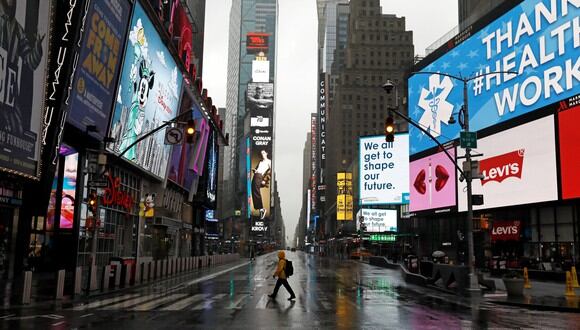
x=432, y=182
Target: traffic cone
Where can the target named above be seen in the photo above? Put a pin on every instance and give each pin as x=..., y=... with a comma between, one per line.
x=574, y=278
x=527, y=284
x=569, y=288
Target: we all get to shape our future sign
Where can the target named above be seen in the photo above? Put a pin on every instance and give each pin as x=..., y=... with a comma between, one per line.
x=384, y=170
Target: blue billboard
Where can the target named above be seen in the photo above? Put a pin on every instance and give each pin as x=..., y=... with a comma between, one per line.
x=148, y=96
x=538, y=40
x=98, y=65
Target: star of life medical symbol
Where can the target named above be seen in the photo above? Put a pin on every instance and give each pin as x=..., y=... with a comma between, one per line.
x=434, y=102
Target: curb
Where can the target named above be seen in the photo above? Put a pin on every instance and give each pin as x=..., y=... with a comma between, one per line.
x=551, y=308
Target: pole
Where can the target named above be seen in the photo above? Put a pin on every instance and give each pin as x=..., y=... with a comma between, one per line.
x=473, y=283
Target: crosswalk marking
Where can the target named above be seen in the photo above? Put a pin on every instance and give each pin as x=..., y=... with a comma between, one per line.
x=184, y=303
x=158, y=302
x=103, y=302
x=132, y=302
x=262, y=302
x=236, y=304
x=208, y=302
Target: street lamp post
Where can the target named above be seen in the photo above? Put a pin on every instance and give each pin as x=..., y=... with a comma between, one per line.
x=467, y=175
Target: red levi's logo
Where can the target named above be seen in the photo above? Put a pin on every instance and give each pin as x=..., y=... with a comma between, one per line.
x=506, y=231
x=501, y=167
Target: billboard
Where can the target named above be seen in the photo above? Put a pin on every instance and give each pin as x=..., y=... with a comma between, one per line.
x=260, y=101
x=313, y=161
x=518, y=167
x=99, y=61
x=384, y=170
x=569, y=134
x=149, y=90
x=212, y=168
x=257, y=42
x=181, y=29
x=537, y=39
x=432, y=182
x=260, y=71
x=23, y=78
x=377, y=220
x=322, y=109
x=344, y=203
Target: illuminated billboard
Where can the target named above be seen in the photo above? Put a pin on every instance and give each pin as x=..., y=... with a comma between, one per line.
x=99, y=61
x=344, y=202
x=569, y=135
x=384, y=170
x=260, y=71
x=257, y=42
x=23, y=78
x=518, y=167
x=149, y=90
x=536, y=39
x=377, y=220
x=432, y=182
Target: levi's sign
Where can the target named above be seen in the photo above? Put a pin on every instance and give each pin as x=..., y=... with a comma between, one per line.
x=505, y=231
x=501, y=167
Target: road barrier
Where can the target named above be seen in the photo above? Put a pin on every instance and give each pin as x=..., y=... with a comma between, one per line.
x=60, y=284
x=569, y=287
x=78, y=280
x=27, y=287
x=106, y=277
x=527, y=284
x=574, y=278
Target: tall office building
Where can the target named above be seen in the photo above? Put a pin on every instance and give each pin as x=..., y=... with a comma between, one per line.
x=251, y=71
x=472, y=10
x=378, y=48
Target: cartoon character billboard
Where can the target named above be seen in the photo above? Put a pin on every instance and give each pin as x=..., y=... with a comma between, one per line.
x=24, y=40
x=148, y=96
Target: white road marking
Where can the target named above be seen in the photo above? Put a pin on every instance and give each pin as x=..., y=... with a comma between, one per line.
x=209, y=302
x=158, y=302
x=100, y=303
x=57, y=323
x=236, y=304
x=184, y=303
x=7, y=316
x=212, y=276
x=86, y=315
x=262, y=302
x=133, y=302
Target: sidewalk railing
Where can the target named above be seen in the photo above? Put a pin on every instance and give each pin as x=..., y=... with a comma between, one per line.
x=105, y=278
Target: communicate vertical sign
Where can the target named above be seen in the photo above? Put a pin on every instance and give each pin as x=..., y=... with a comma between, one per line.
x=322, y=108
x=313, y=159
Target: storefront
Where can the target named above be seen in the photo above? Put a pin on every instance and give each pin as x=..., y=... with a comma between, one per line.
x=10, y=202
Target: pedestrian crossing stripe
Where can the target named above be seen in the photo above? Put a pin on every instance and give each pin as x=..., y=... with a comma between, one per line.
x=104, y=302
x=181, y=304
x=158, y=302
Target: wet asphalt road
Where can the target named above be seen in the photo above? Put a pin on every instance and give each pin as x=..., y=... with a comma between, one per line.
x=331, y=294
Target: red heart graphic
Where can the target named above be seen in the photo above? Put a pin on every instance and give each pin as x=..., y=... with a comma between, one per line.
x=442, y=177
x=420, y=183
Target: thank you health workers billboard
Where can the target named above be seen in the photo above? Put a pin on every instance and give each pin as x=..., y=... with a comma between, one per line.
x=538, y=40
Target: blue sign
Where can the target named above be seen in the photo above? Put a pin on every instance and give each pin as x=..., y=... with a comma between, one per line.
x=538, y=40
x=98, y=66
x=149, y=90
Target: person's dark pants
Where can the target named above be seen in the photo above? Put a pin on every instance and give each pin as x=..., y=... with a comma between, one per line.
x=256, y=193
x=285, y=283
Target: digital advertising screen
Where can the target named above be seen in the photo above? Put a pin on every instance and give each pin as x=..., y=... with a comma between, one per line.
x=344, y=201
x=432, y=182
x=148, y=95
x=23, y=80
x=257, y=42
x=377, y=220
x=384, y=170
x=569, y=134
x=260, y=100
x=99, y=61
x=537, y=40
x=518, y=167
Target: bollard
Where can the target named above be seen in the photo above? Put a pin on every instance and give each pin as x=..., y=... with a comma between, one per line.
x=78, y=280
x=569, y=288
x=106, y=277
x=60, y=284
x=145, y=275
x=128, y=269
x=574, y=278
x=527, y=284
x=163, y=268
x=138, y=272
x=158, y=269
x=27, y=287
x=93, y=283
x=118, y=270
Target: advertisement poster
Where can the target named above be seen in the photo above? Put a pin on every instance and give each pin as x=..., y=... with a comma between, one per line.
x=432, y=182
x=23, y=78
x=149, y=91
x=568, y=119
x=212, y=168
x=384, y=170
x=518, y=167
x=344, y=203
x=377, y=220
x=538, y=40
x=99, y=61
x=260, y=71
x=260, y=99
x=179, y=171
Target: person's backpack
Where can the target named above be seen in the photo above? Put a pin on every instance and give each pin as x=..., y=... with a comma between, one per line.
x=289, y=269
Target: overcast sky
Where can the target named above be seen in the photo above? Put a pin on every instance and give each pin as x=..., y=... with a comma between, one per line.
x=297, y=74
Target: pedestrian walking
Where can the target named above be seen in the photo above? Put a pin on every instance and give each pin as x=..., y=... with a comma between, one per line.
x=281, y=274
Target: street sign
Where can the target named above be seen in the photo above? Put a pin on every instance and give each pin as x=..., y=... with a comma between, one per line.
x=98, y=184
x=173, y=135
x=468, y=140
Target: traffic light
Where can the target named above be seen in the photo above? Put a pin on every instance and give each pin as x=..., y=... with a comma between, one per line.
x=190, y=131
x=390, y=129
x=92, y=202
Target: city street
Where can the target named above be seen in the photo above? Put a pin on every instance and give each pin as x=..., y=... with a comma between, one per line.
x=331, y=294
